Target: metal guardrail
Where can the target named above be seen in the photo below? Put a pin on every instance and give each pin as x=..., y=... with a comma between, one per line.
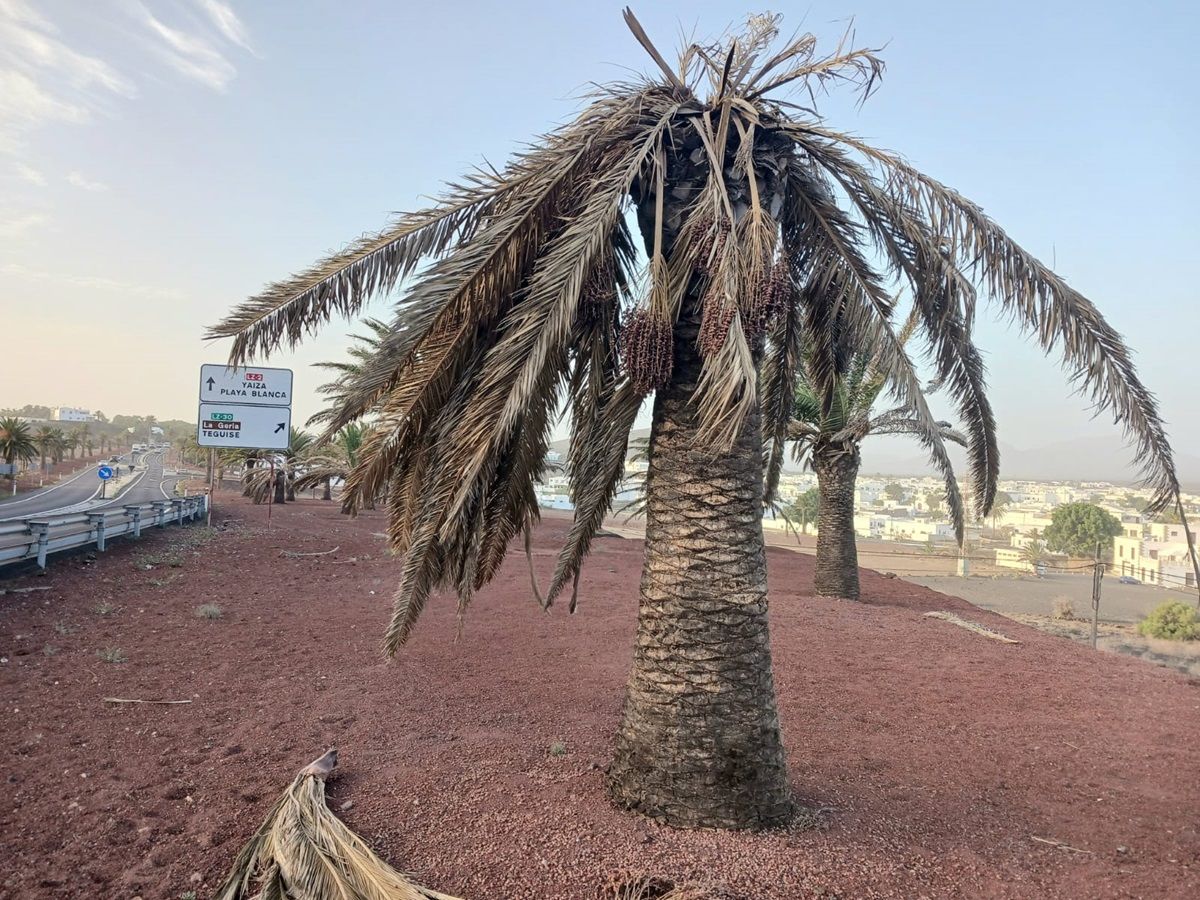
x=36, y=537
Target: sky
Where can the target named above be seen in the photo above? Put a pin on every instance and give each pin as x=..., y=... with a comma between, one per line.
x=160, y=160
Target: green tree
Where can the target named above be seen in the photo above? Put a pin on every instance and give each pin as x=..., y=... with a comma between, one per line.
x=933, y=501
x=1076, y=529
x=769, y=236
x=17, y=443
x=806, y=508
x=893, y=491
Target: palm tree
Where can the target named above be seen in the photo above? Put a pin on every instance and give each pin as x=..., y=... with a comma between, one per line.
x=362, y=351
x=1035, y=554
x=523, y=291
x=44, y=438
x=831, y=418
x=322, y=464
x=17, y=444
x=59, y=444
x=261, y=481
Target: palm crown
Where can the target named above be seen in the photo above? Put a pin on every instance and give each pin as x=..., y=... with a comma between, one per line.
x=783, y=238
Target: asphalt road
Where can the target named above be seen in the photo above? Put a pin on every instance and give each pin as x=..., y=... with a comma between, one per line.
x=1036, y=596
x=81, y=491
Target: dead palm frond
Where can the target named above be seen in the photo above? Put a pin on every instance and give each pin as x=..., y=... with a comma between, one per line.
x=522, y=292
x=304, y=852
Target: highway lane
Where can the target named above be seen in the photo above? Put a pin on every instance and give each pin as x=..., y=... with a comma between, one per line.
x=153, y=485
x=82, y=491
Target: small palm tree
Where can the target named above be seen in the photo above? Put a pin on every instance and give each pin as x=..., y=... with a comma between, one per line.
x=334, y=460
x=1035, y=554
x=60, y=443
x=45, y=440
x=831, y=419
x=765, y=233
x=262, y=481
x=17, y=443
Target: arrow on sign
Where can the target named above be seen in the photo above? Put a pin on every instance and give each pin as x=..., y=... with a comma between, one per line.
x=279, y=427
x=211, y=382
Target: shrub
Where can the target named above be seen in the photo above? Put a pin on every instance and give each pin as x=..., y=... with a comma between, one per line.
x=558, y=748
x=1173, y=620
x=208, y=611
x=112, y=655
x=1064, y=608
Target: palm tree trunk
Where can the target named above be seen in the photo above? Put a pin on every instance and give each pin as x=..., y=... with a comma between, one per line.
x=327, y=493
x=699, y=742
x=280, y=487
x=837, y=555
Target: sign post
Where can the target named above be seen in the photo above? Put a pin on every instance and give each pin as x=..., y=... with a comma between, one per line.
x=243, y=407
x=104, y=473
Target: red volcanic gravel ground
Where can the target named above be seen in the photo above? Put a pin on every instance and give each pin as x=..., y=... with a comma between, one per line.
x=937, y=755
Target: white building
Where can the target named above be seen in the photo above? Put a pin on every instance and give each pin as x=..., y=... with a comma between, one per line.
x=70, y=414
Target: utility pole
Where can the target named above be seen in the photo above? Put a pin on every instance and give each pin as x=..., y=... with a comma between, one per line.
x=1097, y=575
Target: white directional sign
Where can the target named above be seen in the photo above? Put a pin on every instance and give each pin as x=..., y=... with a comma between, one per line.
x=248, y=385
x=241, y=425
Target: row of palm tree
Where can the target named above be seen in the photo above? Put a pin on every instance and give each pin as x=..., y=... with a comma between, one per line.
x=21, y=442
x=774, y=245
x=17, y=444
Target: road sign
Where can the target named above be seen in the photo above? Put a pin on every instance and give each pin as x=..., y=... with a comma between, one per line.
x=243, y=425
x=247, y=385
x=105, y=473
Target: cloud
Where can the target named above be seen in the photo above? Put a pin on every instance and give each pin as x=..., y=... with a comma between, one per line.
x=227, y=22
x=18, y=225
x=30, y=174
x=92, y=282
x=77, y=179
x=189, y=54
x=43, y=79
x=23, y=103
x=32, y=42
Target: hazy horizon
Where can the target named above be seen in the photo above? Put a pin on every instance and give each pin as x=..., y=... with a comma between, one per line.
x=160, y=161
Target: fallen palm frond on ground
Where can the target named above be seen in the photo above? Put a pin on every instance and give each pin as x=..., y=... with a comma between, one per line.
x=654, y=887
x=970, y=626
x=304, y=852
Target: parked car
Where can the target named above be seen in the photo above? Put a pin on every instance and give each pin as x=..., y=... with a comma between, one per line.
x=1128, y=579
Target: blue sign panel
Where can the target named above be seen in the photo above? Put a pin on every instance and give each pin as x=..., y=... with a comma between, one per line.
x=105, y=472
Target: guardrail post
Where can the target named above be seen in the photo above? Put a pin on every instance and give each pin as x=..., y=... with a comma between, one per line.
x=97, y=523
x=136, y=513
x=178, y=505
x=41, y=530
x=160, y=512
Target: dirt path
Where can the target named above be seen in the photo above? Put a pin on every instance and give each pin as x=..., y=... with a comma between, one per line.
x=939, y=754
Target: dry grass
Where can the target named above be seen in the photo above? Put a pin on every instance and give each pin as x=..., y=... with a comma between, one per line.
x=1064, y=608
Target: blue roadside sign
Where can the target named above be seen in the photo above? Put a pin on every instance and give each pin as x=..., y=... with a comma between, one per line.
x=105, y=472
